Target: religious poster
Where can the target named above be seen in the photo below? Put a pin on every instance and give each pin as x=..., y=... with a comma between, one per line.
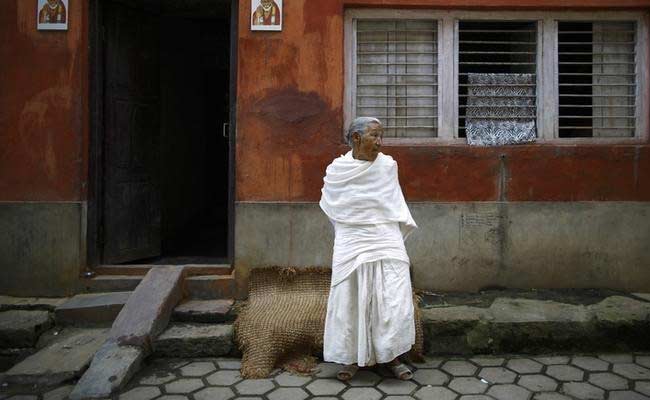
x=52, y=15
x=266, y=15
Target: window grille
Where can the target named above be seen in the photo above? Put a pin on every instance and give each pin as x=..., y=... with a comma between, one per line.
x=497, y=70
x=597, y=79
x=397, y=75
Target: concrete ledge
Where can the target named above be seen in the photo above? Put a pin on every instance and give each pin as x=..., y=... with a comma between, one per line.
x=91, y=309
x=195, y=340
x=470, y=246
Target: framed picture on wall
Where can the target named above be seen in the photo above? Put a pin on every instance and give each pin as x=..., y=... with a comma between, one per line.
x=52, y=15
x=266, y=15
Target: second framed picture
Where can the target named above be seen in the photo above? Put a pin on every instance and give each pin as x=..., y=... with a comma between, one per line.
x=266, y=15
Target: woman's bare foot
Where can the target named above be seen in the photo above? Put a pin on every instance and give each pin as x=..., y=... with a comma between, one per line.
x=347, y=372
x=400, y=370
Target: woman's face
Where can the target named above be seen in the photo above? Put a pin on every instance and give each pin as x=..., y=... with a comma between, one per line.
x=367, y=146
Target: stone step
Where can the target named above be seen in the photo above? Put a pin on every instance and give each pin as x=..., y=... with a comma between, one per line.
x=205, y=311
x=196, y=287
x=30, y=303
x=195, y=340
x=142, y=269
x=22, y=328
x=66, y=357
x=91, y=309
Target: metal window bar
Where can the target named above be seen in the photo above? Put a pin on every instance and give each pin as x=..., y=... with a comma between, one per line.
x=597, y=87
x=496, y=47
x=397, y=75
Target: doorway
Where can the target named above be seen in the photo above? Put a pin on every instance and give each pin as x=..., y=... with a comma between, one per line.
x=161, y=150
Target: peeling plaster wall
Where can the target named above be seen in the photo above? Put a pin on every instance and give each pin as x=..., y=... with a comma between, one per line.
x=290, y=124
x=43, y=150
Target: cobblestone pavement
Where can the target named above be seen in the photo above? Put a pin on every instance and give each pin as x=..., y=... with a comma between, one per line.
x=557, y=377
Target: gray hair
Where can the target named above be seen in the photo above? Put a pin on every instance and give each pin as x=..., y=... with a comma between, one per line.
x=359, y=125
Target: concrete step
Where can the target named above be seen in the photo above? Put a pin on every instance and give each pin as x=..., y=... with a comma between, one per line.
x=30, y=303
x=66, y=357
x=195, y=340
x=142, y=269
x=196, y=287
x=91, y=309
x=205, y=311
x=22, y=328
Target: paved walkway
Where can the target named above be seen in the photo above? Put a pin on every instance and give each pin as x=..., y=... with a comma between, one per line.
x=564, y=377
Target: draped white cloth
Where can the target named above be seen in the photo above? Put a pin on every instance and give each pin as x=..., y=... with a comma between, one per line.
x=370, y=308
x=360, y=197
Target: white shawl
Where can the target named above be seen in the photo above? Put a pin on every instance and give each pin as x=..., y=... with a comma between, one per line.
x=359, y=196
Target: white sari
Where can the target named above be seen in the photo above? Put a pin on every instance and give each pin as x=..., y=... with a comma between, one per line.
x=370, y=310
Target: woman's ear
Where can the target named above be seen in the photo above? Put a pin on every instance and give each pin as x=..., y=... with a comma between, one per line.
x=356, y=137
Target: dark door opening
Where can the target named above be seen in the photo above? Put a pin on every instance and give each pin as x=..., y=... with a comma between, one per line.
x=165, y=164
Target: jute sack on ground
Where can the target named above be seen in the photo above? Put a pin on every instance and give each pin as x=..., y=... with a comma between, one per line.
x=284, y=319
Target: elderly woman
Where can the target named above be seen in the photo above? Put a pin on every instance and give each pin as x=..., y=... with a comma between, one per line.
x=370, y=316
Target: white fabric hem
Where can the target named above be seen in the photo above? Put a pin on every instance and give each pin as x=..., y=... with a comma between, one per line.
x=394, y=355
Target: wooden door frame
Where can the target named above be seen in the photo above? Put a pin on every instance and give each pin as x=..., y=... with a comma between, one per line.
x=94, y=230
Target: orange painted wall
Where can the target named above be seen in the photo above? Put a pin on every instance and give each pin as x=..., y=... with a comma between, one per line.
x=43, y=105
x=290, y=123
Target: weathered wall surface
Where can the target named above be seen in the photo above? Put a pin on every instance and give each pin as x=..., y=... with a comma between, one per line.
x=43, y=151
x=467, y=246
x=289, y=127
x=290, y=124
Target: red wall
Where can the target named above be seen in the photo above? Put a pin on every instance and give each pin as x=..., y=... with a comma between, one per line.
x=43, y=105
x=290, y=123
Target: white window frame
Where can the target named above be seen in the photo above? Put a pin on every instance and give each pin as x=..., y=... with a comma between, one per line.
x=547, y=69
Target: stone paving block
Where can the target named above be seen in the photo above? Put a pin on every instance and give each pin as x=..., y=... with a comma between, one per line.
x=327, y=370
x=583, y=391
x=172, y=397
x=184, y=386
x=91, y=308
x=429, y=362
x=229, y=363
x=364, y=378
x=204, y=311
x=497, y=375
x=435, y=393
x=321, y=387
x=565, y=373
x=321, y=398
x=389, y=398
x=626, y=395
x=224, y=378
x=157, y=378
x=552, y=360
x=23, y=397
x=20, y=328
x=608, y=381
x=430, y=377
x=254, y=386
x=590, y=363
x=643, y=361
x=632, y=371
x=475, y=397
x=75, y=346
x=488, y=361
x=287, y=394
x=396, y=386
x=508, y=392
x=551, y=396
x=194, y=340
x=524, y=366
x=619, y=309
x=60, y=393
x=111, y=368
x=617, y=358
x=289, y=379
x=459, y=368
x=197, y=369
x=141, y=393
x=642, y=387
x=214, y=393
x=537, y=383
x=468, y=385
x=362, y=393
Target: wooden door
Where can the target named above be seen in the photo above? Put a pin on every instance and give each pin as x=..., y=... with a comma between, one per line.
x=131, y=187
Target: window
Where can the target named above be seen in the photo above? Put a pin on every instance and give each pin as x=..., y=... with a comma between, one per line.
x=434, y=76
